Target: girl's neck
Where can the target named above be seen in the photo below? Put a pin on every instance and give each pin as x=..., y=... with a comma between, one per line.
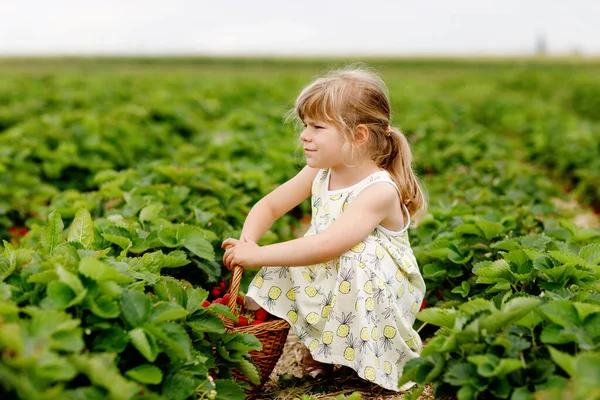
x=343, y=176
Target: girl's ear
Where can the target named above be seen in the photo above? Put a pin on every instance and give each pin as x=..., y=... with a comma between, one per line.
x=361, y=134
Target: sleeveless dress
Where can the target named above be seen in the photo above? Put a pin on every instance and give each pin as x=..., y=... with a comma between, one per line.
x=358, y=309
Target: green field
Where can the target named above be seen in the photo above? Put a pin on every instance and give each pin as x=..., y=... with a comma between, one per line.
x=121, y=177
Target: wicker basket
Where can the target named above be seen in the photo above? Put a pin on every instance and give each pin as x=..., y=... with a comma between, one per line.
x=272, y=335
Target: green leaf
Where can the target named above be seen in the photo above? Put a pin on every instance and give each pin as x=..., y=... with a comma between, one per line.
x=155, y=261
x=244, y=342
x=150, y=213
x=562, y=313
x=229, y=390
x=179, y=386
x=521, y=393
x=70, y=280
x=563, y=360
x=61, y=296
x=193, y=239
x=537, y=241
x=460, y=374
x=463, y=289
x=203, y=321
x=586, y=309
x=70, y=341
x=250, y=370
x=52, y=234
x=103, y=306
x=167, y=311
x=170, y=289
x=587, y=369
x=121, y=241
x=223, y=310
x=490, y=272
x=111, y=340
x=102, y=371
x=145, y=343
x=82, y=228
x=567, y=258
x=54, y=367
x=476, y=305
x=489, y=229
x=438, y=316
x=468, y=229
x=511, y=312
x=146, y=373
x=135, y=307
x=99, y=271
x=591, y=253
x=173, y=337
x=195, y=298
x=434, y=271
x=6, y=269
x=466, y=393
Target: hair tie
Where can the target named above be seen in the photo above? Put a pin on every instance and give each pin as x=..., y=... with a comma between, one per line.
x=388, y=131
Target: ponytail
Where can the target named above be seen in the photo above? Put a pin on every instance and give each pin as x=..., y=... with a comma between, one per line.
x=398, y=162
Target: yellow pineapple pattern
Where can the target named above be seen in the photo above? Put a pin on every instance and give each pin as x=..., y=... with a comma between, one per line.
x=310, y=291
x=328, y=302
x=349, y=352
x=344, y=328
x=293, y=314
x=312, y=318
x=325, y=346
x=368, y=287
x=415, y=307
x=291, y=294
x=359, y=248
x=313, y=345
x=399, y=275
x=260, y=278
x=345, y=284
x=370, y=373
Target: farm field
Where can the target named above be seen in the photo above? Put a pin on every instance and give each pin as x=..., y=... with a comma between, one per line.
x=121, y=177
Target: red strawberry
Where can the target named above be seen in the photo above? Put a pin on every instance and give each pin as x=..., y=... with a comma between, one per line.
x=256, y=322
x=262, y=314
x=222, y=285
x=226, y=298
x=14, y=231
x=215, y=292
x=439, y=294
x=205, y=304
x=242, y=321
x=24, y=231
x=423, y=305
x=240, y=300
x=218, y=301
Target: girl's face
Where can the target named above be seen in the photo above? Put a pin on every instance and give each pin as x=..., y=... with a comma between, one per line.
x=322, y=143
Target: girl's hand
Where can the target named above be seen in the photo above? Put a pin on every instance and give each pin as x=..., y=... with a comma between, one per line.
x=246, y=253
x=228, y=245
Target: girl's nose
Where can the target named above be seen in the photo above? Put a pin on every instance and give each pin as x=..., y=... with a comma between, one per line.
x=304, y=136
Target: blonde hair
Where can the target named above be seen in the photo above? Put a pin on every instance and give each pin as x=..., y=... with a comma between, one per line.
x=354, y=96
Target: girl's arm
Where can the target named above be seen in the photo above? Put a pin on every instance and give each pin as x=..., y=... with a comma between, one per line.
x=362, y=216
x=271, y=207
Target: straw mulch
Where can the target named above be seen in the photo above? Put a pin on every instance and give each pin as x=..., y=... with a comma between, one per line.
x=287, y=381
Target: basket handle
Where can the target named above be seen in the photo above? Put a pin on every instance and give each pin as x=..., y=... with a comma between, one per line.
x=234, y=287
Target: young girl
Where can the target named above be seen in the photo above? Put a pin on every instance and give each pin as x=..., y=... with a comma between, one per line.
x=350, y=288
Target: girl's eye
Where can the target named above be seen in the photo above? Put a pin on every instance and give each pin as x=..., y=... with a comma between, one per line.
x=318, y=127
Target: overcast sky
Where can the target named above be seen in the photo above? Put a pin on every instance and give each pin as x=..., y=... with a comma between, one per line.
x=295, y=27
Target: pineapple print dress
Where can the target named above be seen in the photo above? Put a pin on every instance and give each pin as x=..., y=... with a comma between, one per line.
x=358, y=309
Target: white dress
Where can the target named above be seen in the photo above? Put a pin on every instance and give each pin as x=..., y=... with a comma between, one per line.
x=358, y=309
